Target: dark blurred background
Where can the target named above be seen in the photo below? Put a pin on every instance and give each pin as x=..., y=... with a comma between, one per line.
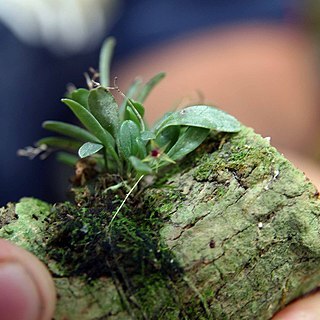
x=255, y=59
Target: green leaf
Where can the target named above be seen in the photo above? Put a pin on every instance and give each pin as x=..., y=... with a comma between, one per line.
x=139, y=166
x=135, y=112
x=69, y=130
x=131, y=115
x=88, y=149
x=142, y=151
x=128, y=134
x=168, y=137
x=202, y=117
x=67, y=158
x=105, y=109
x=58, y=142
x=92, y=124
x=130, y=94
x=149, y=86
x=81, y=96
x=188, y=141
x=138, y=106
x=105, y=61
x=147, y=135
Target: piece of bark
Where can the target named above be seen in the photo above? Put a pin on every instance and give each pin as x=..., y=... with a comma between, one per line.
x=231, y=233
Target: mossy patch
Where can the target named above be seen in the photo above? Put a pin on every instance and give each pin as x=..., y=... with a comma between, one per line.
x=83, y=244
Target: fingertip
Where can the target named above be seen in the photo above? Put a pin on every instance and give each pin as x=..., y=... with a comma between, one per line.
x=307, y=308
x=13, y=258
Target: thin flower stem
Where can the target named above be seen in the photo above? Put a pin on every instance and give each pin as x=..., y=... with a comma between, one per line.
x=124, y=201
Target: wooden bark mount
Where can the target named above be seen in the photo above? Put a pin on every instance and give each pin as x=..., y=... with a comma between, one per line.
x=233, y=232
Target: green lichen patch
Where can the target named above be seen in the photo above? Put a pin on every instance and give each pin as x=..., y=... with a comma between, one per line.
x=240, y=155
x=29, y=218
x=78, y=299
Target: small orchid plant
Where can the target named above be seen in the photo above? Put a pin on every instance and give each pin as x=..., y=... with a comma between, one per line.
x=118, y=136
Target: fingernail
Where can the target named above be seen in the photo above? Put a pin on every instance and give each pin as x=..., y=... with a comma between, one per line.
x=19, y=298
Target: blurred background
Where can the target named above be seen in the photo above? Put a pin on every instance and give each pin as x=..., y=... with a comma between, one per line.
x=257, y=59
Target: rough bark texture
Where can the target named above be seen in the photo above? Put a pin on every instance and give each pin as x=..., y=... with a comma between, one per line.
x=232, y=233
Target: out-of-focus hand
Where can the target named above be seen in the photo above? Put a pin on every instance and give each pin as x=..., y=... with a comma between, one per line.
x=307, y=308
x=26, y=287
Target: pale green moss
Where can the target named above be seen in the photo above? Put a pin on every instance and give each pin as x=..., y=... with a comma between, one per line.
x=27, y=230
